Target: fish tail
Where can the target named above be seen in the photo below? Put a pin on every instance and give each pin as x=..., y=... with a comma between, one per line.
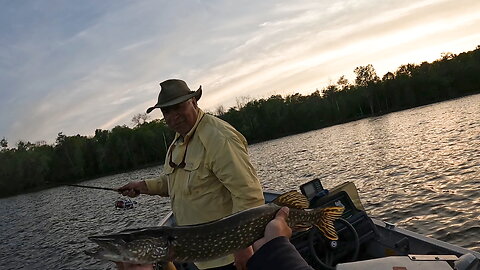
x=325, y=222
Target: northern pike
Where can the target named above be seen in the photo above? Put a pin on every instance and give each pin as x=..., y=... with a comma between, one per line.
x=202, y=242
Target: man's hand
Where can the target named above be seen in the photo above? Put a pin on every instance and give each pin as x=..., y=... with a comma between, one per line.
x=241, y=257
x=275, y=228
x=130, y=266
x=133, y=189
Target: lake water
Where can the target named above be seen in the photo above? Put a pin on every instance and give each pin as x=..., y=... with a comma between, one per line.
x=418, y=168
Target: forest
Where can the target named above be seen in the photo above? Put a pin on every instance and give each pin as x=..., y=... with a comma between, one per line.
x=33, y=166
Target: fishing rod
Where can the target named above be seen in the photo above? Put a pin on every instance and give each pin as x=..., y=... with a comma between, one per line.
x=92, y=187
x=119, y=204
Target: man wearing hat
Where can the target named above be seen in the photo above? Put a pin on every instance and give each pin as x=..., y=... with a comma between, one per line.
x=207, y=173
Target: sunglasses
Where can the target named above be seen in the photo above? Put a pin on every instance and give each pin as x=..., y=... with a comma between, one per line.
x=181, y=164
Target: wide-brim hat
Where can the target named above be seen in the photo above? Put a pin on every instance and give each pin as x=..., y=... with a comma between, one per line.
x=173, y=92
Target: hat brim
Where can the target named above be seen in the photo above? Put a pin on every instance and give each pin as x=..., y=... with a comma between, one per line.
x=197, y=95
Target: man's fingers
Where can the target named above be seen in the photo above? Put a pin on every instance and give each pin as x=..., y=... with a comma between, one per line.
x=283, y=213
x=259, y=243
x=132, y=189
x=132, y=193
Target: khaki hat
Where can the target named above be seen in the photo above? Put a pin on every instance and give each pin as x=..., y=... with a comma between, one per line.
x=173, y=92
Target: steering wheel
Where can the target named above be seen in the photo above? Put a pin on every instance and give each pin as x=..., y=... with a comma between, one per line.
x=333, y=247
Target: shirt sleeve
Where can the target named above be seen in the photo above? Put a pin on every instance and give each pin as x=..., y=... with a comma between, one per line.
x=230, y=162
x=278, y=254
x=158, y=185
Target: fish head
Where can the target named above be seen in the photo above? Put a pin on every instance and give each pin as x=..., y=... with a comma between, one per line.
x=139, y=251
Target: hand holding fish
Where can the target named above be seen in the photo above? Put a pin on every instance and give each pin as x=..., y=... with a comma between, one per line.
x=275, y=228
x=131, y=266
x=241, y=258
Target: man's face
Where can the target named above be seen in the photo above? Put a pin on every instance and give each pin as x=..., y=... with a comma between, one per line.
x=181, y=117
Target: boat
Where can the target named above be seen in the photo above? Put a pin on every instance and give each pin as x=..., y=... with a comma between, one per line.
x=364, y=242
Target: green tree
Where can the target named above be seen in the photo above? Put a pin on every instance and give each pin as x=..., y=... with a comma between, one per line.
x=4, y=143
x=365, y=75
x=140, y=119
x=343, y=83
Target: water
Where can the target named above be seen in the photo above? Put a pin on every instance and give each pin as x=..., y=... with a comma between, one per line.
x=418, y=168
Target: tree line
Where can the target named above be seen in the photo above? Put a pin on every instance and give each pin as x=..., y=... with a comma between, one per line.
x=73, y=158
x=409, y=86
x=30, y=166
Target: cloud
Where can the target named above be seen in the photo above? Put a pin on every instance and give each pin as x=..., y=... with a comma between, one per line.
x=75, y=67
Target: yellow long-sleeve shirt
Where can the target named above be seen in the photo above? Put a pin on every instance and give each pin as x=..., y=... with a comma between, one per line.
x=217, y=180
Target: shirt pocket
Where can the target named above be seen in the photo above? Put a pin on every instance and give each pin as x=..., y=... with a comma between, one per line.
x=199, y=178
x=193, y=175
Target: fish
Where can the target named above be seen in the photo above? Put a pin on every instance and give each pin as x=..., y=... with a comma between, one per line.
x=215, y=239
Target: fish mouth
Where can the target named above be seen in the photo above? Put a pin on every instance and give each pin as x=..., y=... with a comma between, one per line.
x=105, y=254
x=110, y=249
x=115, y=249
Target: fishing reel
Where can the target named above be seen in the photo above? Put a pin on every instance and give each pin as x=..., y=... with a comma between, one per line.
x=125, y=203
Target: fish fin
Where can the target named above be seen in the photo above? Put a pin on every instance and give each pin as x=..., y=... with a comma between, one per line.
x=325, y=222
x=301, y=227
x=292, y=199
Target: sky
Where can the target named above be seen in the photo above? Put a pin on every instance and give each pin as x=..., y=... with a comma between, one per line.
x=78, y=66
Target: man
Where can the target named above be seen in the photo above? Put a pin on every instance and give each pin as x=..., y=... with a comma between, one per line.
x=207, y=172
